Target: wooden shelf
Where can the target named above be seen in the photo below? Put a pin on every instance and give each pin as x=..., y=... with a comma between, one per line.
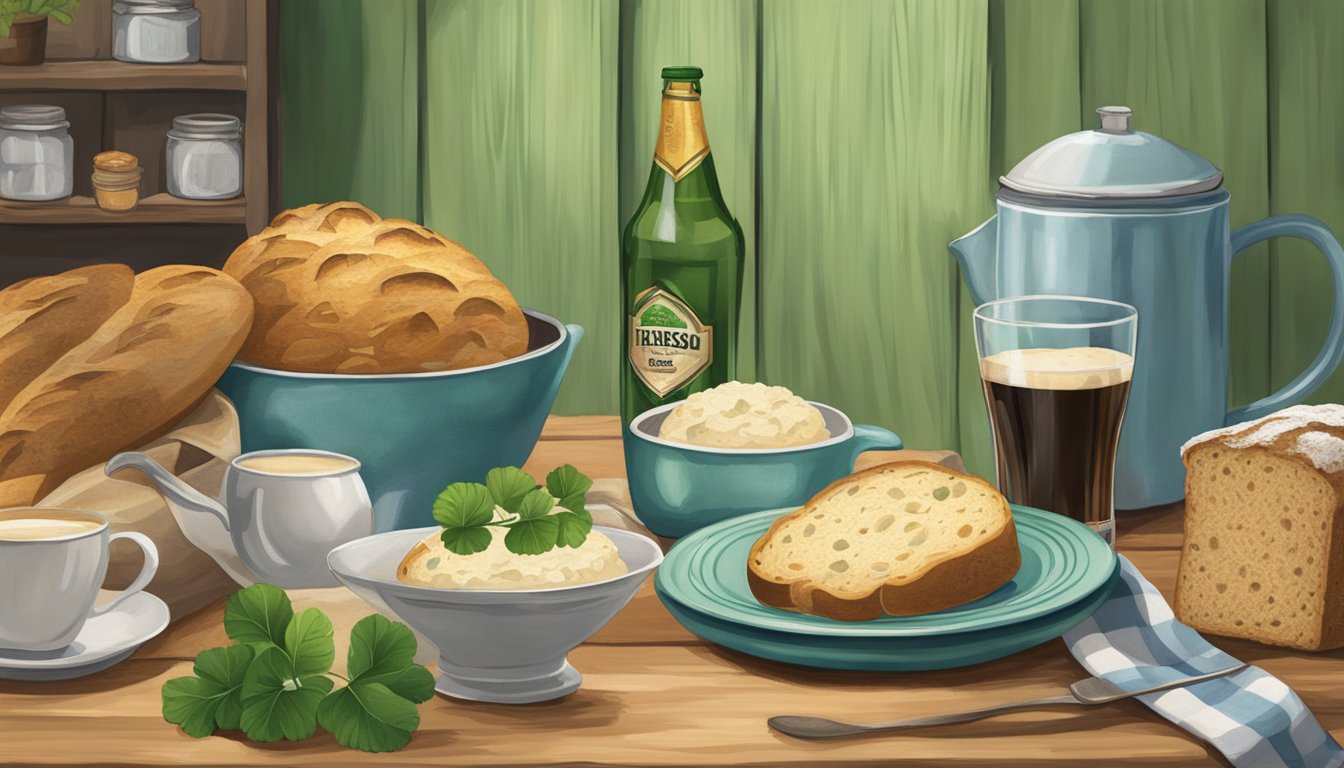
x=155, y=209
x=108, y=75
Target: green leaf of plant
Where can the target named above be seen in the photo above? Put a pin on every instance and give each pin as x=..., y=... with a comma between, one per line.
x=277, y=703
x=258, y=615
x=379, y=646
x=463, y=509
x=537, y=503
x=466, y=541
x=574, y=528
x=308, y=641
x=383, y=651
x=464, y=505
x=532, y=536
x=211, y=699
x=192, y=703
x=508, y=486
x=369, y=717
x=414, y=683
x=568, y=485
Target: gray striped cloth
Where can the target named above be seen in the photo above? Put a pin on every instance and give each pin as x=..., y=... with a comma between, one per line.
x=1135, y=641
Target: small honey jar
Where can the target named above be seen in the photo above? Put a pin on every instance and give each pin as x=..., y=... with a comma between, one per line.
x=116, y=180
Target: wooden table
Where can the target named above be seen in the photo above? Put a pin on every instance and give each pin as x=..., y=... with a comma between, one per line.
x=655, y=695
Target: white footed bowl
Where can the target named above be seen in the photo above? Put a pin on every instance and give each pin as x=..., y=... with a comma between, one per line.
x=501, y=646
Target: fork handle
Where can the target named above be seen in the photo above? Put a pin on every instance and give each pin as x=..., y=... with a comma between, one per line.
x=822, y=728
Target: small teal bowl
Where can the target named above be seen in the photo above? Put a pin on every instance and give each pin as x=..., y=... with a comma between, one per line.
x=414, y=433
x=678, y=488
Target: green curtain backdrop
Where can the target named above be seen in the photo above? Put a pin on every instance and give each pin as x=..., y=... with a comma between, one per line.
x=854, y=139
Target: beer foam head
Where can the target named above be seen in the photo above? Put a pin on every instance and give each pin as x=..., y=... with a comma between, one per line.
x=1071, y=368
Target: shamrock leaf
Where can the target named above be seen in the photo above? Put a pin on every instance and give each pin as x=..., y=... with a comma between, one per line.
x=537, y=503
x=212, y=698
x=369, y=716
x=308, y=643
x=569, y=485
x=532, y=536
x=278, y=703
x=258, y=616
x=573, y=528
x=464, y=509
x=383, y=651
x=379, y=646
x=508, y=486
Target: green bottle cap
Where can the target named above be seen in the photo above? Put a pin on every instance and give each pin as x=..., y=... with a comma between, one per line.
x=682, y=74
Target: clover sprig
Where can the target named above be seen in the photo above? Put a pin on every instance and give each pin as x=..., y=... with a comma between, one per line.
x=275, y=683
x=537, y=519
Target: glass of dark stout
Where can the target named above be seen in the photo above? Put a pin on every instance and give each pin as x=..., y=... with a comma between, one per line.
x=1056, y=373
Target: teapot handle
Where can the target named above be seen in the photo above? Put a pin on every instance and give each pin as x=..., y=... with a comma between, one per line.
x=1318, y=234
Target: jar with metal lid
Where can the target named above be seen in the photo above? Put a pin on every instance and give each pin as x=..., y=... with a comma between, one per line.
x=205, y=157
x=36, y=153
x=156, y=31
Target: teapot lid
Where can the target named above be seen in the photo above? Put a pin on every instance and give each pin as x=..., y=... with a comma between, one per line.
x=1112, y=161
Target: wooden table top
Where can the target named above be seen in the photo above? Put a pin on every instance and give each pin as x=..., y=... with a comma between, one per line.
x=655, y=695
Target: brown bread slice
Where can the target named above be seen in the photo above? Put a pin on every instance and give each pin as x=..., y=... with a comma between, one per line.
x=149, y=364
x=42, y=318
x=898, y=539
x=1263, y=554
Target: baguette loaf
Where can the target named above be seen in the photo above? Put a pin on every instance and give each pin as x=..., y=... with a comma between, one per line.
x=149, y=364
x=42, y=318
x=339, y=289
x=1263, y=555
x=898, y=539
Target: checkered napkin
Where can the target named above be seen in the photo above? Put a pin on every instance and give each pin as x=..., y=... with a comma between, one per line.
x=1135, y=641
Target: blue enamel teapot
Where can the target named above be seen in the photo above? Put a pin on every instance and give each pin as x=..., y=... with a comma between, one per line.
x=1120, y=214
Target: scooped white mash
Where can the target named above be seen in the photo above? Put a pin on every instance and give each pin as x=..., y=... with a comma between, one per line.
x=737, y=415
x=430, y=564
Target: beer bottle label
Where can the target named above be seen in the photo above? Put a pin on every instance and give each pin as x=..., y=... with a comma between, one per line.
x=682, y=141
x=669, y=345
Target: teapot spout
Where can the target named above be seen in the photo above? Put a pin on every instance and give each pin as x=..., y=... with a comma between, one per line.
x=175, y=492
x=976, y=252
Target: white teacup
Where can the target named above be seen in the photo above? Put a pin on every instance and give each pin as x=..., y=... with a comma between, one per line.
x=52, y=564
x=283, y=509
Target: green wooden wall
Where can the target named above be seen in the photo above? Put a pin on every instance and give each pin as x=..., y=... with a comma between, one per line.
x=854, y=139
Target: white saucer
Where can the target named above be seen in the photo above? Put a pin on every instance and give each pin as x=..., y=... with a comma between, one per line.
x=104, y=641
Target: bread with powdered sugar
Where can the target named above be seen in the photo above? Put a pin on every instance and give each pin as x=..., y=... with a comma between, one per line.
x=1263, y=556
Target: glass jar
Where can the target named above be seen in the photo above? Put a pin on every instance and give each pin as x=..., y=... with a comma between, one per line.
x=156, y=31
x=36, y=153
x=205, y=157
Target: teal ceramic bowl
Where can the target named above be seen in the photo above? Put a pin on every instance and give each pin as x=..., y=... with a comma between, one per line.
x=414, y=433
x=677, y=489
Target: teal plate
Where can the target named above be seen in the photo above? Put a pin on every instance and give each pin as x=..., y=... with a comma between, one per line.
x=1067, y=572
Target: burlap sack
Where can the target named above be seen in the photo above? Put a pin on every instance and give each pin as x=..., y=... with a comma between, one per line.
x=198, y=451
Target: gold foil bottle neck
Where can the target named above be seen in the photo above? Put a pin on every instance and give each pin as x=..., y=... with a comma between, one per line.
x=682, y=141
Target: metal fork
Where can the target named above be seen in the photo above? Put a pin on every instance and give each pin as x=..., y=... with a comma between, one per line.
x=1088, y=692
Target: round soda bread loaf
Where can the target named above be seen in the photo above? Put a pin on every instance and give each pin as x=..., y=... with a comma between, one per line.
x=339, y=289
x=897, y=539
x=1263, y=554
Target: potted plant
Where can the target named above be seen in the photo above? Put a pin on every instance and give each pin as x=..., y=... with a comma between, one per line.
x=23, y=28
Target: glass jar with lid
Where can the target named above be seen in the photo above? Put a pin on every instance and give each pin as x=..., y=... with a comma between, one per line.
x=36, y=153
x=205, y=157
x=156, y=31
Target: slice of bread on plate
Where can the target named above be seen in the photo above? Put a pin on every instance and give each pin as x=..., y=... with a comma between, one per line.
x=898, y=539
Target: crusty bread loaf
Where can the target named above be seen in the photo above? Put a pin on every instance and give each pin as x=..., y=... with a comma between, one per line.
x=149, y=364
x=1263, y=555
x=339, y=289
x=900, y=539
x=42, y=318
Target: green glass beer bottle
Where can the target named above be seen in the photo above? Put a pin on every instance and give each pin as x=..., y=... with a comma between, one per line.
x=682, y=256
